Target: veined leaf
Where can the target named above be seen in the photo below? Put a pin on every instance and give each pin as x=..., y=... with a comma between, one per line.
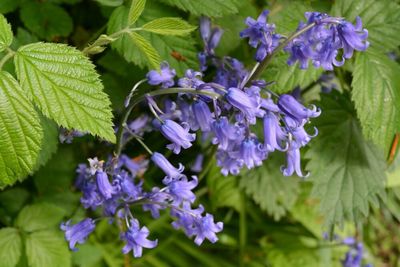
x=21, y=134
x=348, y=172
x=10, y=247
x=50, y=141
x=212, y=8
x=47, y=248
x=65, y=86
x=136, y=9
x=169, y=26
x=110, y=2
x=6, y=35
x=39, y=217
x=376, y=94
x=147, y=49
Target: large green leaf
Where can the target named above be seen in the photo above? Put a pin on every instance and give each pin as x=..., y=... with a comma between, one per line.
x=168, y=26
x=152, y=56
x=21, y=133
x=212, y=8
x=347, y=171
x=376, y=94
x=39, y=217
x=135, y=10
x=272, y=191
x=47, y=249
x=10, y=247
x=380, y=18
x=65, y=86
x=6, y=35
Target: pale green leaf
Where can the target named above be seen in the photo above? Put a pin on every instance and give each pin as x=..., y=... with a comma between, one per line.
x=39, y=217
x=212, y=8
x=347, y=171
x=63, y=83
x=136, y=9
x=113, y=3
x=147, y=49
x=169, y=26
x=272, y=191
x=380, y=18
x=10, y=247
x=376, y=94
x=21, y=133
x=6, y=35
x=47, y=249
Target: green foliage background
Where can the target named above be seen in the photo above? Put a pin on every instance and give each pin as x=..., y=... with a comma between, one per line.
x=62, y=74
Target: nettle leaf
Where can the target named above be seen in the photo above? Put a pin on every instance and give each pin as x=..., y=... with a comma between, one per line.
x=21, y=135
x=376, y=84
x=136, y=9
x=168, y=47
x=47, y=248
x=287, y=77
x=63, y=83
x=381, y=18
x=10, y=247
x=6, y=35
x=45, y=19
x=153, y=58
x=347, y=171
x=289, y=15
x=272, y=191
x=169, y=26
x=212, y=8
x=39, y=217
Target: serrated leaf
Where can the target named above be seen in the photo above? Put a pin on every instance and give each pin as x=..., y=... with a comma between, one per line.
x=287, y=77
x=39, y=217
x=168, y=26
x=289, y=15
x=212, y=8
x=136, y=9
x=47, y=249
x=376, y=94
x=21, y=134
x=10, y=247
x=272, y=191
x=63, y=83
x=46, y=19
x=380, y=18
x=147, y=49
x=50, y=143
x=347, y=171
x=6, y=35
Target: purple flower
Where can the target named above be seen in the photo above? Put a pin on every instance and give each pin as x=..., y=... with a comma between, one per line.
x=301, y=137
x=186, y=218
x=139, y=125
x=206, y=229
x=103, y=184
x=225, y=133
x=244, y=103
x=136, y=239
x=251, y=152
x=128, y=187
x=178, y=135
x=210, y=36
x=352, y=37
x=228, y=164
x=202, y=115
x=91, y=197
x=192, y=79
x=273, y=133
x=202, y=61
x=77, y=233
x=205, y=28
x=291, y=107
x=181, y=190
x=165, y=77
x=135, y=167
x=158, y=198
x=258, y=30
x=95, y=165
x=66, y=136
x=299, y=51
x=293, y=163
x=266, y=49
x=167, y=167
x=198, y=164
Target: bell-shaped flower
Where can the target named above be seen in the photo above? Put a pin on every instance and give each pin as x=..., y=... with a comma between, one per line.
x=170, y=171
x=228, y=163
x=274, y=136
x=178, y=135
x=165, y=76
x=205, y=228
x=202, y=115
x=77, y=233
x=225, y=133
x=104, y=186
x=353, y=37
x=242, y=101
x=293, y=163
x=181, y=190
x=136, y=239
x=291, y=107
x=251, y=152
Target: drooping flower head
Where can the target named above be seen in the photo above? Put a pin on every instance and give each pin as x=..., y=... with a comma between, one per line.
x=165, y=76
x=163, y=163
x=178, y=135
x=77, y=234
x=136, y=239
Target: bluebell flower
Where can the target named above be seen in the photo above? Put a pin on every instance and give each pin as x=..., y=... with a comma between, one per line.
x=91, y=197
x=205, y=28
x=210, y=36
x=293, y=163
x=206, y=229
x=257, y=29
x=186, y=218
x=169, y=170
x=77, y=233
x=136, y=239
x=158, y=197
x=192, y=79
x=225, y=133
x=178, y=135
x=181, y=190
x=244, y=103
x=136, y=167
x=301, y=137
x=95, y=165
x=202, y=115
x=128, y=186
x=165, y=76
x=291, y=107
x=104, y=185
x=299, y=51
x=274, y=136
x=202, y=57
x=139, y=125
x=327, y=51
x=228, y=164
x=251, y=152
x=265, y=49
x=353, y=37
x=198, y=164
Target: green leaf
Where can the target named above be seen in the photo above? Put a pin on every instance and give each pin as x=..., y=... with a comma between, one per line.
x=88, y=255
x=347, y=171
x=272, y=191
x=289, y=15
x=287, y=77
x=136, y=9
x=169, y=26
x=376, y=94
x=211, y=8
x=7, y=6
x=21, y=134
x=46, y=19
x=147, y=49
x=47, y=249
x=39, y=217
x=50, y=141
x=63, y=83
x=10, y=247
x=6, y=35
x=380, y=18
x=113, y=3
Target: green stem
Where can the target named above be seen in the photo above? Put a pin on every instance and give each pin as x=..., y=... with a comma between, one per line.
x=260, y=67
x=242, y=230
x=10, y=54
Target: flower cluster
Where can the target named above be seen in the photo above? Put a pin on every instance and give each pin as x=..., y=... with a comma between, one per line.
x=354, y=257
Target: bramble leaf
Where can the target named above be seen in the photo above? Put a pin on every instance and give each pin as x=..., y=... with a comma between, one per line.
x=6, y=35
x=10, y=247
x=212, y=8
x=39, y=217
x=147, y=49
x=135, y=10
x=168, y=26
x=21, y=135
x=63, y=83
